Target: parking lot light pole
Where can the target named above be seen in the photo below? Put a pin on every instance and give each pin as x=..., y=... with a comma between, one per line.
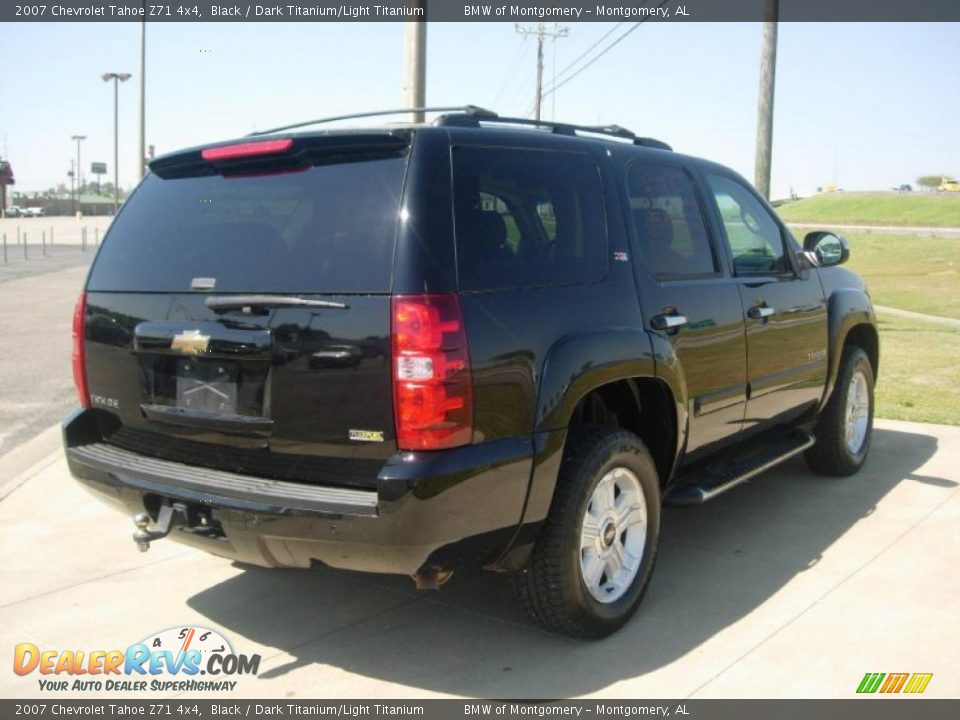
x=141, y=139
x=117, y=79
x=79, y=190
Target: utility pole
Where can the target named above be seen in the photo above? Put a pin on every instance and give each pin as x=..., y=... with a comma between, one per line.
x=415, y=62
x=541, y=32
x=76, y=202
x=768, y=71
x=141, y=140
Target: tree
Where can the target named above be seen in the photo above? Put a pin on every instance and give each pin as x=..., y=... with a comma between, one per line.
x=930, y=182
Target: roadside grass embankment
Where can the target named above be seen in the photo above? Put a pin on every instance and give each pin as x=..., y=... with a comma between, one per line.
x=909, y=209
x=909, y=272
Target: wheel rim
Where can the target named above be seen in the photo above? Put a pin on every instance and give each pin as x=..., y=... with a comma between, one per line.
x=613, y=535
x=858, y=412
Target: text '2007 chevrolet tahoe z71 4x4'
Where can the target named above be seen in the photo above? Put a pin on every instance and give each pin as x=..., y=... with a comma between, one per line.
x=480, y=340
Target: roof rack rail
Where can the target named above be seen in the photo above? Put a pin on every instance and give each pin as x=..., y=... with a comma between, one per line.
x=475, y=120
x=467, y=110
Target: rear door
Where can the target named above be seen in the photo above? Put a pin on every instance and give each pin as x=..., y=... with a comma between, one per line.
x=238, y=312
x=689, y=300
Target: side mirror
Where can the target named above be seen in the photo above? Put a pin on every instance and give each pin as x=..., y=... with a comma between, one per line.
x=826, y=248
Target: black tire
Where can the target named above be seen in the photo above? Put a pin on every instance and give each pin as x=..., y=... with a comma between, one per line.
x=551, y=588
x=831, y=455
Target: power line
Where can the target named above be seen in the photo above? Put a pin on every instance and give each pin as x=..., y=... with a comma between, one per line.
x=587, y=51
x=508, y=75
x=593, y=60
x=599, y=55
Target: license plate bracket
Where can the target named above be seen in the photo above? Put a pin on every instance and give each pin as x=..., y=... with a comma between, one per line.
x=207, y=386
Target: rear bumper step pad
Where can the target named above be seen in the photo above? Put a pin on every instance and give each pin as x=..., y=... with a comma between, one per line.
x=220, y=488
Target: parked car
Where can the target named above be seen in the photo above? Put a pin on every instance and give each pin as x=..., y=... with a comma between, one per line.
x=33, y=212
x=578, y=326
x=14, y=211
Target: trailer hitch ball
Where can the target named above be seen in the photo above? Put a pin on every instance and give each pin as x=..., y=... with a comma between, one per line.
x=142, y=536
x=169, y=516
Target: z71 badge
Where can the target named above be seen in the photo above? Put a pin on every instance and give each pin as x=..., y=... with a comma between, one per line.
x=367, y=435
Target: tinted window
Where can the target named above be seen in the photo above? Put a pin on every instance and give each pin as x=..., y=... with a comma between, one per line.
x=329, y=228
x=527, y=218
x=668, y=221
x=754, y=236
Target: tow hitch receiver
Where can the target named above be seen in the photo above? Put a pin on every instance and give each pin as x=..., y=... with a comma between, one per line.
x=172, y=515
x=169, y=517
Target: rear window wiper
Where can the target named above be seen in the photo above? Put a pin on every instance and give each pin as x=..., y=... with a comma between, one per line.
x=252, y=304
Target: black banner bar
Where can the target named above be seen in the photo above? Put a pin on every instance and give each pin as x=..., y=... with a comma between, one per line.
x=566, y=11
x=874, y=708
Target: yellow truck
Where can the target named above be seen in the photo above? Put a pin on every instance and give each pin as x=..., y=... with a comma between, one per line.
x=948, y=185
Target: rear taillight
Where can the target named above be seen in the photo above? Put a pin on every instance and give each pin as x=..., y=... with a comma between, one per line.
x=432, y=384
x=79, y=361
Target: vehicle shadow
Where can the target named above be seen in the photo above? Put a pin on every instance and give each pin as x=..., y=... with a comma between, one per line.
x=718, y=563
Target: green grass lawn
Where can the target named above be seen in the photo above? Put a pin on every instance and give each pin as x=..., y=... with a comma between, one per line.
x=931, y=209
x=908, y=271
x=919, y=373
x=919, y=367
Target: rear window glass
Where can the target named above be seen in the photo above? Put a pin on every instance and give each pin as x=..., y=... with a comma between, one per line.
x=329, y=228
x=668, y=221
x=527, y=218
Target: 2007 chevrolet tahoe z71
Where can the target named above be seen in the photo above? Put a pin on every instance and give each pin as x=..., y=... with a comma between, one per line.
x=480, y=340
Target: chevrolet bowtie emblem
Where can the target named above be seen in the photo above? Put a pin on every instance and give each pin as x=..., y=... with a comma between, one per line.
x=190, y=342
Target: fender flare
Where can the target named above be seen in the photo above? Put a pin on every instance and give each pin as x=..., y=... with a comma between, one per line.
x=578, y=364
x=846, y=309
x=573, y=367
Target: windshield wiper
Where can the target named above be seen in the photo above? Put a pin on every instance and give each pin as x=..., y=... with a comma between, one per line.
x=260, y=303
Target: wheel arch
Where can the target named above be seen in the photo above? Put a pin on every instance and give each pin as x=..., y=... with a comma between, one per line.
x=852, y=321
x=607, y=377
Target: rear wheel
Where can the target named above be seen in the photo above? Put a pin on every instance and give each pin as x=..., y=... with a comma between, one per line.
x=594, y=557
x=846, y=424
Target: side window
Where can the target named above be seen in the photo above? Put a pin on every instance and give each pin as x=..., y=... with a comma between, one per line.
x=527, y=218
x=668, y=221
x=754, y=236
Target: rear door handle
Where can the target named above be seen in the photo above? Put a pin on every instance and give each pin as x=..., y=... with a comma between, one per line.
x=759, y=312
x=668, y=322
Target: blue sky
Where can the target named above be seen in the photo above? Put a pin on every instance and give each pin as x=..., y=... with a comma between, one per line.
x=880, y=102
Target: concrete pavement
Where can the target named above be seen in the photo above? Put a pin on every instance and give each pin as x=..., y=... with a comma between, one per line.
x=64, y=230
x=790, y=586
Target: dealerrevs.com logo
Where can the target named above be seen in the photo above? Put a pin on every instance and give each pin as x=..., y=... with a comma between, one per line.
x=168, y=661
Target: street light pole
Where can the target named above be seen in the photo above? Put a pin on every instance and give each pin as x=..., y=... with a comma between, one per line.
x=79, y=186
x=117, y=79
x=73, y=187
x=141, y=144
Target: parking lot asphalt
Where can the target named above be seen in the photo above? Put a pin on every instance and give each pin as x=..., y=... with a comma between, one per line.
x=792, y=585
x=36, y=381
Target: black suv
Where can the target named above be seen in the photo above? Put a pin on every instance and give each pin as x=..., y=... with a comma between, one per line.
x=476, y=341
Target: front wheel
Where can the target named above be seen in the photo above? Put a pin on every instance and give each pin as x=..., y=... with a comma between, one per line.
x=595, y=554
x=846, y=423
